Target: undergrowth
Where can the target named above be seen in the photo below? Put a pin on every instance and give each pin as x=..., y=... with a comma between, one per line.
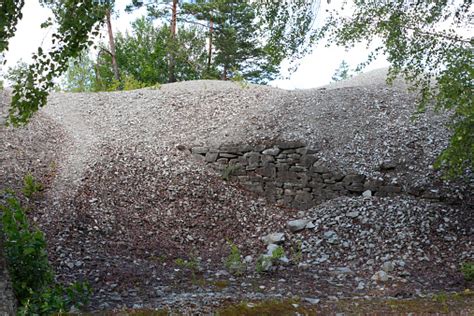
x=32, y=277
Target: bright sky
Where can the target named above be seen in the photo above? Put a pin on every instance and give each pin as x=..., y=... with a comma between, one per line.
x=315, y=69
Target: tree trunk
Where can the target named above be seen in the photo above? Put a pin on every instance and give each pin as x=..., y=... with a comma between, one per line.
x=209, y=57
x=112, y=46
x=172, y=62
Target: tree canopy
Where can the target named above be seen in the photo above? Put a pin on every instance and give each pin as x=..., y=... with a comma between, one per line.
x=423, y=42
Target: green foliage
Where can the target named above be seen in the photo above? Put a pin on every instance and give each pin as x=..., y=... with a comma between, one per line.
x=192, y=265
x=130, y=83
x=31, y=186
x=237, y=38
x=10, y=14
x=234, y=262
x=80, y=75
x=342, y=72
x=27, y=261
x=266, y=260
x=143, y=56
x=422, y=42
x=77, y=22
x=467, y=270
x=229, y=171
x=297, y=252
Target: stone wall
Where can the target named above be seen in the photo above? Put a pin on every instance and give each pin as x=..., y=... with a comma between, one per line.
x=287, y=173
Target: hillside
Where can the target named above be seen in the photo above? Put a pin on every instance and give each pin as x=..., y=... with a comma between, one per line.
x=134, y=180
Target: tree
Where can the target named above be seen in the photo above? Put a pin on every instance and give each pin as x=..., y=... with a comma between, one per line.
x=79, y=76
x=342, y=72
x=143, y=55
x=77, y=22
x=422, y=40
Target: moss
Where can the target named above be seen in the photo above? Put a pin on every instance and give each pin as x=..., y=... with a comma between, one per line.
x=266, y=308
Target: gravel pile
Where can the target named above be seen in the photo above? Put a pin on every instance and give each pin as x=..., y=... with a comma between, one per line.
x=127, y=200
x=380, y=239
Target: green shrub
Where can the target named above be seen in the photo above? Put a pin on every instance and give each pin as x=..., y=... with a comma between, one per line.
x=31, y=274
x=191, y=265
x=31, y=186
x=467, y=270
x=233, y=262
x=229, y=171
x=130, y=83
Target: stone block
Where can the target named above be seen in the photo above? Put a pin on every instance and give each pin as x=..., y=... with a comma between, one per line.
x=271, y=151
x=354, y=178
x=355, y=187
x=295, y=157
x=320, y=167
x=316, y=186
x=290, y=144
x=211, y=157
x=267, y=171
x=308, y=160
x=227, y=155
x=288, y=151
x=199, y=150
x=298, y=169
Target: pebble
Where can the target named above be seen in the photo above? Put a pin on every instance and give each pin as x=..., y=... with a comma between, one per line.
x=274, y=238
x=380, y=276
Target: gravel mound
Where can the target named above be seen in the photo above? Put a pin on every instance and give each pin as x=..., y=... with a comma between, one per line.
x=127, y=200
x=406, y=238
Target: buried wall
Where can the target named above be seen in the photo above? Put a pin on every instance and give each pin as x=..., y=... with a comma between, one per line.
x=287, y=173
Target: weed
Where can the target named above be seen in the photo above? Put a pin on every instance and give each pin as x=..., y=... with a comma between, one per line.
x=297, y=252
x=192, y=265
x=31, y=186
x=27, y=261
x=155, y=87
x=229, y=171
x=264, y=262
x=467, y=269
x=234, y=262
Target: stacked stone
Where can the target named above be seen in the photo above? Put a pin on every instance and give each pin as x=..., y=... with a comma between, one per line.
x=287, y=173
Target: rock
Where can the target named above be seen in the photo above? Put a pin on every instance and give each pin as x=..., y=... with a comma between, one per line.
x=344, y=270
x=310, y=225
x=330, y=234
x=271, y=151
x=380, y=276
x=199, y=150
x=271, y=248
x=367, y=193
x=297, y=225
x=387, y=165
x=388, y=266
x=311, y=300
x=360, y=286
x=353, y=214
x=248, y=259
x=267, y=263
x=274, y=238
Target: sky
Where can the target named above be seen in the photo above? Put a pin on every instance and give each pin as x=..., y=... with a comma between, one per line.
x=316, y=69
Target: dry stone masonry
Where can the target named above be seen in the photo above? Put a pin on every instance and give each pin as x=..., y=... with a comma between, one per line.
x=288, y=173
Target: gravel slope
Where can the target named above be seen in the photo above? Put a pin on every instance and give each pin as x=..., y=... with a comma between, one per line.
x=126, y=202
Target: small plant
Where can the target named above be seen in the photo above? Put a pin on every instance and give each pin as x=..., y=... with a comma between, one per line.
x=234, y=262
x=297, y=252
x=467, y=270
x=31, y=186
x=265, y=262
x=239, y=79
x=229, y=171
x=192, y=265
x=156, y=86
x=27, y=261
